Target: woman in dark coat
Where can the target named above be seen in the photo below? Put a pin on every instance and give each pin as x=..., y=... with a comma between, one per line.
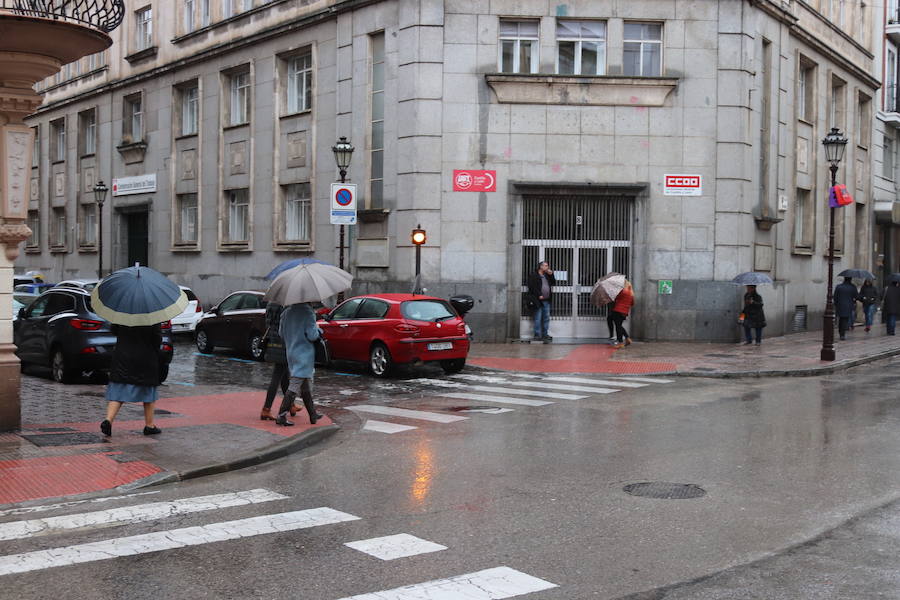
x=868, y=295
x=754, y=317
x=275, y=353
x=891, y=307
x=134, y=374
x=845, y=296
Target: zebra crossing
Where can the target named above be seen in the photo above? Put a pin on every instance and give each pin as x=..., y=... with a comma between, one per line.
x=517, y=389
x=494, y=582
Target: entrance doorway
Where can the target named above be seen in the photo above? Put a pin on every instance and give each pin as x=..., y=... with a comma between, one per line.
x=583, y=238
x=138, y=236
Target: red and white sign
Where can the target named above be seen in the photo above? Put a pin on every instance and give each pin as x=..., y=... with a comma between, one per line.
x=474, y=181
x=683, y=185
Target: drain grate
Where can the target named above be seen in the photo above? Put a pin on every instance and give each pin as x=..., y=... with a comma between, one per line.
x=64, y=439
x=665, y=490
x=55, y=429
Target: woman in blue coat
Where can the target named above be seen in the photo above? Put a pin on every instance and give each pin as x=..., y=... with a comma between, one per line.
x=299, y=330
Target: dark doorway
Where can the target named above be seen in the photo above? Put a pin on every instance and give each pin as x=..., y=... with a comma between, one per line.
x=137, y=224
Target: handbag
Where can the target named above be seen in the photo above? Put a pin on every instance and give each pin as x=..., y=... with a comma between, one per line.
x=741, y=318
x=531, y=302
x=839, y=196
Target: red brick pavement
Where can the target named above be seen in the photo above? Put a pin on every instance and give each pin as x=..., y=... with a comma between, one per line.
x=587, y=358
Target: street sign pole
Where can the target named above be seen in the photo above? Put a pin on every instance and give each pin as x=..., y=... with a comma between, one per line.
x=343, y=212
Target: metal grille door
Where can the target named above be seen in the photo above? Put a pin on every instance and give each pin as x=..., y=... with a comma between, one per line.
x=583, y=238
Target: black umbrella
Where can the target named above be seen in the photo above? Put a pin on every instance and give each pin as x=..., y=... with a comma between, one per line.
x=893, y=277
x=857, y=274
x=751, y=278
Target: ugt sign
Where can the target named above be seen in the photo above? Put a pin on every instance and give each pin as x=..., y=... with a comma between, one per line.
x=474, y=181
x=683, y=185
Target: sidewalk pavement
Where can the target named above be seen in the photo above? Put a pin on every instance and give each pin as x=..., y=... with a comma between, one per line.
x=790, y=355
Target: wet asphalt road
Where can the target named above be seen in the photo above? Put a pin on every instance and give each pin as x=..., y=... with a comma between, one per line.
x=539, y=489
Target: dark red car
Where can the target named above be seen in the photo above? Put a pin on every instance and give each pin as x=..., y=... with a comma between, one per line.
x=388, y=329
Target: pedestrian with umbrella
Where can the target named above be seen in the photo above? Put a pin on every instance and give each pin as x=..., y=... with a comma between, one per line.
x=845, y=296
x=891, y=306
x=621, y=308
x=295, y=289
x=868, y=295
x=136, y=300
x=604, y=292
x=753, y=317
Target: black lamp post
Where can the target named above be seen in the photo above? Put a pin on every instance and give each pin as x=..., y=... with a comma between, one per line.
x=343, y=152
x=834, y=143
x=418, y=238
x=100, y=191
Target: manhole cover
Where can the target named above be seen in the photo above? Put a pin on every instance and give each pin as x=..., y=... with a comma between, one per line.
x=665, y=490
x=64, y=439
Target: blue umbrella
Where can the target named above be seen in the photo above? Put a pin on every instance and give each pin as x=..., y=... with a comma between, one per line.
x=751, y=278
x=290, y=264
x=137, y=296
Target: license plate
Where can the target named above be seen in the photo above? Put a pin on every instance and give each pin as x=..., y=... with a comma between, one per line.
x=441, y=346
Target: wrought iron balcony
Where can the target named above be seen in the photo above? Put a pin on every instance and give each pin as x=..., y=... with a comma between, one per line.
x=103, y=15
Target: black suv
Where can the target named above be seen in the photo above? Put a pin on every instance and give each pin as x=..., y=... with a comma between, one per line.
x=59, y=329
x=238, y=322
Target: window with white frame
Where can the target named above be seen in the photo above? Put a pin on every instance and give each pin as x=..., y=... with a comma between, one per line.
x=804, y=220
x=518, y=46
x=188, y=16
x=205, y=13
x=581, y=47
x=34, y=224
x=187, y=225
x=299, y=83
x=88, y=131
x=239, y=97
x=887, y=157
x=376, y=106
x=237, y=205
x=36, y=147
x=297, y=213
x=58, y=140
x=890, y=82
x=643, y=50
x=133, y=118
x=838, y=104
x=806, y=91
x=190, y=108
x=58, y=228
x=143, y=28
x=87, y=231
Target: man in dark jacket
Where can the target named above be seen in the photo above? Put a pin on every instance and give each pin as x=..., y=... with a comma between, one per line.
x=540, y=286
x=891, y=306
x=845, y=295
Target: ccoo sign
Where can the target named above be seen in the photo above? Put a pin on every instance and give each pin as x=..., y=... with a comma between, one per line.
x=683, y=185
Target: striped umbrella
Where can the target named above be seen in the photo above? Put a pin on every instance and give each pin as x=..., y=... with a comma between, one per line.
x=137, y=296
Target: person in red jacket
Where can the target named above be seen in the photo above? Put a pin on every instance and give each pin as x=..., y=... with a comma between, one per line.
x=621, y=308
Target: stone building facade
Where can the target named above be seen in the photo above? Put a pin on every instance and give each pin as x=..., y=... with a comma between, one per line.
x=217, y=119
x=887, y=133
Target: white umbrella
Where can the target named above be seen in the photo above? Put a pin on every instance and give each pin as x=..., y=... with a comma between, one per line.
x=607, y=288
x=308, y=283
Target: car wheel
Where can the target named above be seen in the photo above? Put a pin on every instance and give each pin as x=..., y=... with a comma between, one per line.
x=453, y=365
x=380, y=362
x=256, y=347
x=59, y=370
x=204, y=344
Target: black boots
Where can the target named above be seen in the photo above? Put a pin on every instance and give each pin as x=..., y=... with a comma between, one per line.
x=310, y=407
x=287, y=407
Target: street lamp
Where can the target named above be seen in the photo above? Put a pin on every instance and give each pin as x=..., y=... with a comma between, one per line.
x=100, y=191
x=343, y=152
x=834, y=143
x=418, y=237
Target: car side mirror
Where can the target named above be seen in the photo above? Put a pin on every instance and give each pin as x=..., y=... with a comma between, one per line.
x=325, y=316
x=214, y=310
x=21, y=313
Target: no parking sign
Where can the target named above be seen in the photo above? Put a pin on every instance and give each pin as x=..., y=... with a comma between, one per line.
x=343, y=204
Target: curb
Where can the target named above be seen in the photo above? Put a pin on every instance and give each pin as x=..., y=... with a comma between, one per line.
x=807, y=372
x=269, y=453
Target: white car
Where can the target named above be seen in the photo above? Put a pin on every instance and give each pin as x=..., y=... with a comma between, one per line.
x=187, y=321
x=81, y=284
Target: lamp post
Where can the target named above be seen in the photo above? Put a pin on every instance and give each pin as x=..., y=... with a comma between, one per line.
x=834, y=143
x=343, y=152
x=418, y=238
x=100, y=191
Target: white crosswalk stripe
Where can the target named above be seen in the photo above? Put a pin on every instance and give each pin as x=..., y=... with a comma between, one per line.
x=392, y=547
x=133, y=514
x=642, y=379
x=488, y=411
x=171, y=539
x=24, y=510
x=540, y=394
x=419, y=415
x=592, y=381
x=489, y=584
x=493, y=398
x=564, y=387
x=385, y=427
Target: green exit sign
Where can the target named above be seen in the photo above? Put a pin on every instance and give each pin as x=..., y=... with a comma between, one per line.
x=665, y=286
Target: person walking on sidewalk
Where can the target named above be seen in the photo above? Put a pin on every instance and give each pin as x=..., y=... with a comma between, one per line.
x=540, y=285
x=845, y=296
x=299, y=330
x=868, y=295
x=134, y=374
x=621, y=308
x=891, y=306
x=275, y=353
x=754, y=316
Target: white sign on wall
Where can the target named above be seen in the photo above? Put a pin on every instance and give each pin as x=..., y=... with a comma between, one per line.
x=343, y=204
x=140, y=184
x=683, y=185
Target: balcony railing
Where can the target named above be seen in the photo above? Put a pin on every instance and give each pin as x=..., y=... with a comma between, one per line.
x=892, y=98
x=104, y=15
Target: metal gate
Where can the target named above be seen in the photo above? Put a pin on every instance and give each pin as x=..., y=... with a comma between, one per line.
x=583, y=238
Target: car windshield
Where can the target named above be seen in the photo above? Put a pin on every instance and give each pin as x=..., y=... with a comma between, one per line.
x=426, y=310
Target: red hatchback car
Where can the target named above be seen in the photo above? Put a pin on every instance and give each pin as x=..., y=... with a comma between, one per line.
x=387, y=329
